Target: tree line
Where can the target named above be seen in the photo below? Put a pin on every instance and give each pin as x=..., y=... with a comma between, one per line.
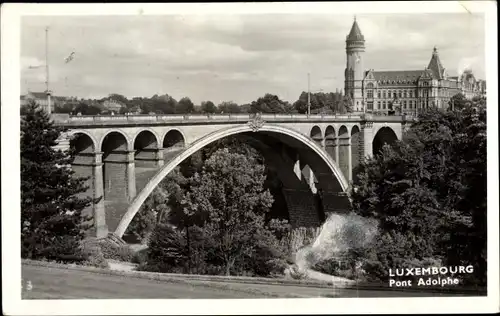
x=166, y=104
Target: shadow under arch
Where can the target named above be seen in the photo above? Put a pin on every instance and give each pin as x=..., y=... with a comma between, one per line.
x=293, y=135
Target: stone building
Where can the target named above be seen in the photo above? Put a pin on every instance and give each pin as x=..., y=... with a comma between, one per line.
x=41, y=99
x=112, y=106
x=402, y=91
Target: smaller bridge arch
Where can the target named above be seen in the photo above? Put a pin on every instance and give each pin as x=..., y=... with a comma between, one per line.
x=118, y=168
x=355, y=146
x=384, y=135
x=113, y=134
x=317, y=135
x=174, y=138
x=151, y=135
x=344, y=153
x=146, y=148
x=82, y=142
x=331, y=142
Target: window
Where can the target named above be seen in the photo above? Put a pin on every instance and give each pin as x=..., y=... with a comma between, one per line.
x=369, y=105
x=400, y=94
x=378, y=94
x=369, y=94
x=394, y=94
x=404, y=104
x=383, y=104
x=411, y=94
x=383, y=94
x=405, y=94
x=377, y=105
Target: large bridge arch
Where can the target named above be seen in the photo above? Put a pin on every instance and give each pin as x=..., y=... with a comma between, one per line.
x=320, y=156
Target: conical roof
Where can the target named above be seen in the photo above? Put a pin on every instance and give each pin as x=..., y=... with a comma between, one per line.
x=355, y=33
x=435, y=65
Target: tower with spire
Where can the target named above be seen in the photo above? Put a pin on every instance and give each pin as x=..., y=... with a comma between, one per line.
x=435, y=66
x=354, y=72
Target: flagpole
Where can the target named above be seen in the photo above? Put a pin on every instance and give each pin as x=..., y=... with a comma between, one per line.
x=49, y=106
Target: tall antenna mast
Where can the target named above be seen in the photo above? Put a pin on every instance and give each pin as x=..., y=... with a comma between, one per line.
x=49, y=106
x=308, y=94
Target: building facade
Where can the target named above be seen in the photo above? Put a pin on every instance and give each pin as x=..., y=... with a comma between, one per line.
x=402, y=91
x=112, y=106
x=42, y=100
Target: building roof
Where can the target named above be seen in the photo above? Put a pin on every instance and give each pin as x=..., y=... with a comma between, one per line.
x=468, y=75
x=355, y=33
x=38, y=95
x=398, y=75
x=435, y=65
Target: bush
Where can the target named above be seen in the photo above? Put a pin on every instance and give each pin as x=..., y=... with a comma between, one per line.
x=269, y=256
x=297, y=273
x=116, y=252
x=92, y=254
x=167, y=250
x=140, y=257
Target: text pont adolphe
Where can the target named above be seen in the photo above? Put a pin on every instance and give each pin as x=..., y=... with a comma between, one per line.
x=436, y=276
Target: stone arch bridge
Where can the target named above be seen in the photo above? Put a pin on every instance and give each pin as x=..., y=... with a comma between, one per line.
x=125, y=157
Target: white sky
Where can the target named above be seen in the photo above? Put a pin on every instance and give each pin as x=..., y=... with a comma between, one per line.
x=235, y=57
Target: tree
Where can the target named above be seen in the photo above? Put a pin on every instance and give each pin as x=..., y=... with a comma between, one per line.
x=229, y=107
x=84, y=108
x=231, y=198
x=67, y=107
x=52, y=224
x=165, y=104
x=458, y=102
x=184, y=106
x=319, y=101
x=301, y=104
x=119, y=98
x=208, y=107
x=428, y=192
x=270, y=104
x=151, y=212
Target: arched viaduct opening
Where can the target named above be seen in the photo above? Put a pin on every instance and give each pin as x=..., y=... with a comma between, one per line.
x=146, y=150
x=82, y=148
x=276, y=143
x=385, y=135
x=115, y=159
x=173, y=142
x=331, y=142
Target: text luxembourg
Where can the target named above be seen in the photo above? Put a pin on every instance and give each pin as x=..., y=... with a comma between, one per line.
x=430, y=271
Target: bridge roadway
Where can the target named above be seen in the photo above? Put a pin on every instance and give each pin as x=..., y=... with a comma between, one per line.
x=126, y=156
x=160, y=119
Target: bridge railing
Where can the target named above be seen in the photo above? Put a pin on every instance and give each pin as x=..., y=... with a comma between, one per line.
x=164, y=118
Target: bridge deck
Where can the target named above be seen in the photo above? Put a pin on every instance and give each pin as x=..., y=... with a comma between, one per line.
x=190, y=119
